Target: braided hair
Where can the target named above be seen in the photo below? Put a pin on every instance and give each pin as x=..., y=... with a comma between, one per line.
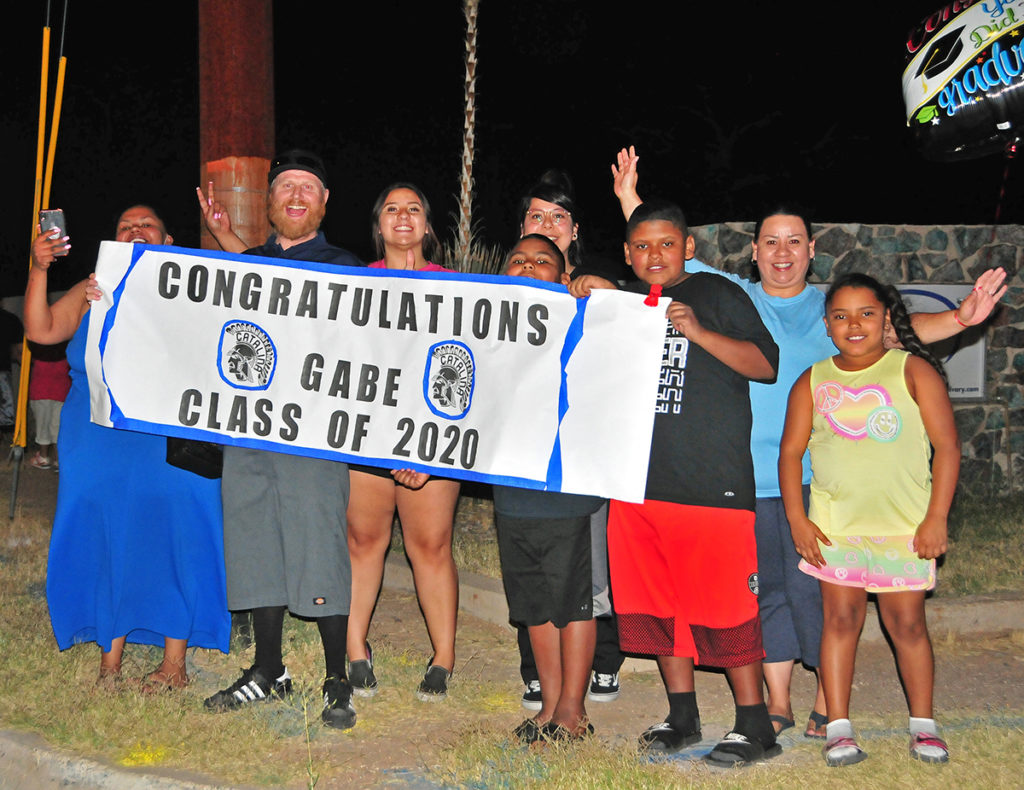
x=899, y=316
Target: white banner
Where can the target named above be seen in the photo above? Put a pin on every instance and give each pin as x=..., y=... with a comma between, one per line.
x=489, y=378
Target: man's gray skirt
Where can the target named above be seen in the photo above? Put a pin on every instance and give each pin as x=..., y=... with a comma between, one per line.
x=285, y=537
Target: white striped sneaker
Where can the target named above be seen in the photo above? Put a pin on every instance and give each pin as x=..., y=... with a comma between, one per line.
x=604, y=687
x=532, y=699
x=253, y=686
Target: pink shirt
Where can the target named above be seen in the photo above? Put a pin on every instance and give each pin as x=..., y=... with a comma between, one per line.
x=430, y=267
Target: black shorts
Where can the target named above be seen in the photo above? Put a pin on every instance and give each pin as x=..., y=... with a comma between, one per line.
x=385, y=471
x=545, y=568
x=377, y=471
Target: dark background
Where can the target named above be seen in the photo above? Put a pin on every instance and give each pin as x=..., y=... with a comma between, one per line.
x=732, y=106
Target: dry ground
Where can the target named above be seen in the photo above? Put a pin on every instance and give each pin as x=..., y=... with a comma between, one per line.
x=401, y=741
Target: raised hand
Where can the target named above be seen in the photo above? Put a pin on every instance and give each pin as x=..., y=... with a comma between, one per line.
x=215, y=215
x=624, y=180
x=989, y=288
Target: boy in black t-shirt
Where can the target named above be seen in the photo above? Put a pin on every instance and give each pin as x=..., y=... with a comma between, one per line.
x=684, y=563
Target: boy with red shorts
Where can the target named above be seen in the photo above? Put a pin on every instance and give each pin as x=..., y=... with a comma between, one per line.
x=684, y=563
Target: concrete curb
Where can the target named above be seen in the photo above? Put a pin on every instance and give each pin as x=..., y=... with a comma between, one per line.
x=32, y=764
x=29, y=762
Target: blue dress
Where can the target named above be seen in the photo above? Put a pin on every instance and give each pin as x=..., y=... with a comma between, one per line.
x=137, y=547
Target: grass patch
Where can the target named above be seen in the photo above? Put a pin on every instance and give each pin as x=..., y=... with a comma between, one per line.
x=986, y=544
x=54, y=694
x=475, y=542
x=464, y=741
x=979, y=759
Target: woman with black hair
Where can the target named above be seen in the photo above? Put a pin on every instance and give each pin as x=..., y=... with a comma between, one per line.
x=136, y=551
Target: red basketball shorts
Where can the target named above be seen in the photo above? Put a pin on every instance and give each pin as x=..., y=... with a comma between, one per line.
x=684, y=582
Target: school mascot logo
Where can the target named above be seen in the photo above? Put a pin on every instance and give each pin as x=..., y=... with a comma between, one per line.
x=246, y=356
x=449, y=379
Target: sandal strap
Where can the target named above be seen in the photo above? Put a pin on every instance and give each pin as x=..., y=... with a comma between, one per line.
x=841, y=742
x=929, y=739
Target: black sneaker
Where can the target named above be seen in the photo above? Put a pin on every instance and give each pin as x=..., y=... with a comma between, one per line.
x=360, y=675
x=434, y=686
x=531, y=697
x=604, y=687
x=253, y=686
x=338, y=711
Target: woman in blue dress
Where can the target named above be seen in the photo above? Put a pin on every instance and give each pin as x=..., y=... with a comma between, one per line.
x=136, y=552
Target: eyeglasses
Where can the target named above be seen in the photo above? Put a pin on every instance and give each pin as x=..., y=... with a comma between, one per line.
x=554, y=216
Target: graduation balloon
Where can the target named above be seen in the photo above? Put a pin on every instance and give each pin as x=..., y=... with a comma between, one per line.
x=963, y=86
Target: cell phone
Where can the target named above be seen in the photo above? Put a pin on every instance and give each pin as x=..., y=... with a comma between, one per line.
x=53, y=218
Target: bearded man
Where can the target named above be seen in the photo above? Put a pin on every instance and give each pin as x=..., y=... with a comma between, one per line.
x=285, y=537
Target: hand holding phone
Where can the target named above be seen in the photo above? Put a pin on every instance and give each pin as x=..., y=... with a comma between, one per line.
x=52, y=220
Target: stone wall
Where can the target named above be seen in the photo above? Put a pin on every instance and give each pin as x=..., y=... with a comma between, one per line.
x=991, y=430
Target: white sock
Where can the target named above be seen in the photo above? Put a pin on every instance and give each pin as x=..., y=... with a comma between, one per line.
x=923, y=725
x=839, y=728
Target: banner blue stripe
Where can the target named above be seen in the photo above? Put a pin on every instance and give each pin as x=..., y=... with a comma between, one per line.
x=108, y=324
x=572, y=338
x=362, y=271
x=142, y=426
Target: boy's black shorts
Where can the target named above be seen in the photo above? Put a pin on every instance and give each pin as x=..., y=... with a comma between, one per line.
x=545, y=567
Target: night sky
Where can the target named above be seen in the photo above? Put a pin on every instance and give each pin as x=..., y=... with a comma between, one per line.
x=732, y=106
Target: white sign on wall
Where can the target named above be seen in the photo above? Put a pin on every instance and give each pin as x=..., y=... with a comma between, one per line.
x=963, y=355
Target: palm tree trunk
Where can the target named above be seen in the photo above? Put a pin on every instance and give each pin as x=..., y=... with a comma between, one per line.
x=465, y=233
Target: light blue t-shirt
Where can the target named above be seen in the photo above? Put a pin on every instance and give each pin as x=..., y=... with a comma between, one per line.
x=796, y=323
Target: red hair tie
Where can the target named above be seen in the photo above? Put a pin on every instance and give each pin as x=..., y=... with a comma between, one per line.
x=653, y=296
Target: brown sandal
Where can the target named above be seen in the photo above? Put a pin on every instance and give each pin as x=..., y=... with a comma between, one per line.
x=816, y=725
x=109, y=678
x=159, y=680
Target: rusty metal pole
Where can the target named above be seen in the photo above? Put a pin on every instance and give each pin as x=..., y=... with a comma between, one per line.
x=236, y=111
